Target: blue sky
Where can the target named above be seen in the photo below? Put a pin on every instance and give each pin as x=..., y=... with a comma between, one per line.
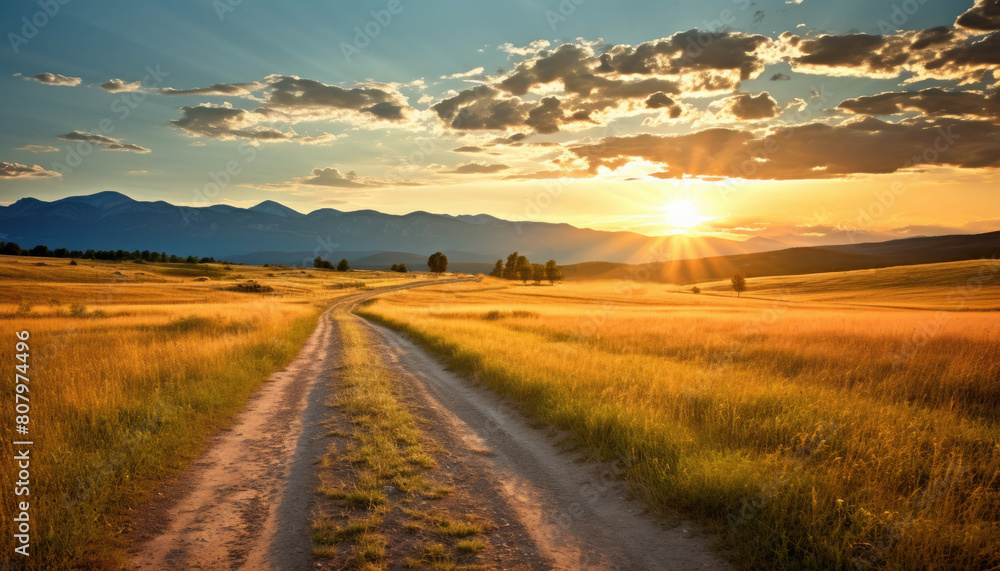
x=306, y=113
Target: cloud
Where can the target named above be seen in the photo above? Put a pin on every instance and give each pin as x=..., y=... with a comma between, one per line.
x=118, y=86
x=744, y=107
x=935, y=53
x=237, y=89
x=38, y=148
x=468, y=149
x=984, y=15
x=573, y=87
x=17, y=170
x=290, y=99
x=479, y=168
x=226, y=123
x=55, y=79
x=932, y=102
x=333, y=178
x=780, y=77
x=810, y=151
x=470, y=73
x=103, y=142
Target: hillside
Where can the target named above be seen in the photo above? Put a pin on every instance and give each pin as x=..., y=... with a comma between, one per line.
x=795, y=261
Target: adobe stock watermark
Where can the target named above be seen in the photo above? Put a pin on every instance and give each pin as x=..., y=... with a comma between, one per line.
x=121, y=108
x=33, y=25
x=225, y=7
x=367, y=32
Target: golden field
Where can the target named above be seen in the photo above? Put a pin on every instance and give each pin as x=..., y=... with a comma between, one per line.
x=834, y=421
x=131, y=368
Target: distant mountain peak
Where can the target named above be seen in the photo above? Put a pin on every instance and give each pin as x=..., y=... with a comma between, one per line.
x=277, y=209
x=102, y=200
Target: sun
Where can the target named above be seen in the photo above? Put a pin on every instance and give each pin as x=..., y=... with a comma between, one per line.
x=683, y=214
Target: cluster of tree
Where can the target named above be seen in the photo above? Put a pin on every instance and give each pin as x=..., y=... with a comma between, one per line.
x=12, y=249
x=401, y=268
x=518, y=267
x=438, y=263
x=342, y=265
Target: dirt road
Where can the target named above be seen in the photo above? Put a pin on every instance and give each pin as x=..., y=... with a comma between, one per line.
x=247, y=502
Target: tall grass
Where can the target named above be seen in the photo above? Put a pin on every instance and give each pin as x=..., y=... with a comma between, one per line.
x=807, y=436
x=125, y=392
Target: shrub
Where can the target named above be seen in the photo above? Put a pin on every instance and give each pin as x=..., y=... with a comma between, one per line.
x=252, y=286
x=695, y=289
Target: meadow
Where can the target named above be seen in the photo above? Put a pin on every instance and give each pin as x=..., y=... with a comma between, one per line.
x=132, y=367
x=832, y=421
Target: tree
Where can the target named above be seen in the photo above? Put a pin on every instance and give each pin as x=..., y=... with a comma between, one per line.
x=552, y=272
x=342, y=265
x=497, y=270
x=12, y=249
x=510, y=270
x=524, y=270
x=537, y=273
x=40, y=250
x=394, y=268
x=438, y=263
x=695, y=289
x=401, y=268
x=739, y=283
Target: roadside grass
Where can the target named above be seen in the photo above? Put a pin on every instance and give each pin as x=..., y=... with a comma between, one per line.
x=386, y=460
x=126, y=391
x=807, y=435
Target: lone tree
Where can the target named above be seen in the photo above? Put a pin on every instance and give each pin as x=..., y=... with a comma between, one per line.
x=497, y=270
x=552, y=272
x=438, y=263
x=342, y=265
x=321, y=263
x=739, y=283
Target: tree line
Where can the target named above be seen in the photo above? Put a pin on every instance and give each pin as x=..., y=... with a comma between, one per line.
x=519, y=267
x=13, y=249
x=342, y=265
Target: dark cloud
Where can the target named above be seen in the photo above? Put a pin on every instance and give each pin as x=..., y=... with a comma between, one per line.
x=984, y=15
x=934, y=53
x=468, y=149
x=288, y=99
x=750, y=107
x=55, y=79
x=580, y=87
x=780, y=77
x=17, y=170
x=103, y=142
x=874, y=54
x=932, y=102
x=226, y=123
x=479, y=168
x=811, y=151
x=290, y=93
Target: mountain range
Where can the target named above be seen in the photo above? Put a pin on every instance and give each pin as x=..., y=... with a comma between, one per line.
x=272, y=233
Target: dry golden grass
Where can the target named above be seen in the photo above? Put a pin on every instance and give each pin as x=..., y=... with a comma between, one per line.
x=810, y=434
x=131, y=368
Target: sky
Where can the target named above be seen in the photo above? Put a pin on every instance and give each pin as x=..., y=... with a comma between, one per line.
x=793, y=120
